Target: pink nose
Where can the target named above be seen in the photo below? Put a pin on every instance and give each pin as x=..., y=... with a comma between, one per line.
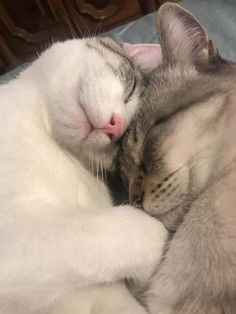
x=114, y=128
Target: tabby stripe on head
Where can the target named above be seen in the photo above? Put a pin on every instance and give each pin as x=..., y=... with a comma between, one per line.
x=196, y=101
x=101, y=54
x=111, y=49
x=132, y=90
x=122, y=56
x=126, y=60
x=108, y=47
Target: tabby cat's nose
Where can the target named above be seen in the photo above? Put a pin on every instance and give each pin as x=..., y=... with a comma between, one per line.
x=115, y=128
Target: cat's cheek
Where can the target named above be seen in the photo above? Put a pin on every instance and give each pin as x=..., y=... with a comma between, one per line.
x=156, y=207
x=76, y=127
x=82, y=119
x=161, y=196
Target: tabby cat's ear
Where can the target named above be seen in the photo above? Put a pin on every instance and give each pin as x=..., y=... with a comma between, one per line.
x=183, y=39
x=146, y=56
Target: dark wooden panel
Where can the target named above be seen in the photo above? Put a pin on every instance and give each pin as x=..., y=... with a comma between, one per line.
x=160, y=2
x=28, y=26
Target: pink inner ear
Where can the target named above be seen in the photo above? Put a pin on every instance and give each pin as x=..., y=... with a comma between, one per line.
x=133, y=50
x=146, y=56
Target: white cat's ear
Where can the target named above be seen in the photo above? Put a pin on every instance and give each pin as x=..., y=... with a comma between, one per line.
x=146, y=56
x=182, y=37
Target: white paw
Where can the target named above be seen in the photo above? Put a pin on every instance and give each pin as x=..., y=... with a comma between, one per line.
x=147, y=237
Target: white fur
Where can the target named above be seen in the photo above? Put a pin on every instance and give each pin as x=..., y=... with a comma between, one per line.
x=59, y=232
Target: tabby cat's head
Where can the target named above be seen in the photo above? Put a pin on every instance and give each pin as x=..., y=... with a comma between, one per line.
x=176, y=143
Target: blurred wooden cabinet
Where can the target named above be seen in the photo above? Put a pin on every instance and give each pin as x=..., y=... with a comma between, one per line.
x=27, y=26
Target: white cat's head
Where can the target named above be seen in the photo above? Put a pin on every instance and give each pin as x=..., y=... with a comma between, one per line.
x=91, y=88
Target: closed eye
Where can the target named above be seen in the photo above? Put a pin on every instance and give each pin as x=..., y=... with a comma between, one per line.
x=127, y=99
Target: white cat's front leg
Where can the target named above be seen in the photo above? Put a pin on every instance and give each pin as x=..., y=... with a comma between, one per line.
x=49, y=258
x=103, y=299
x=116, y=299
x=116, y=243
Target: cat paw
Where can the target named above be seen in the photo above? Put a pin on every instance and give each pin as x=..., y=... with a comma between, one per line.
x=146, y=237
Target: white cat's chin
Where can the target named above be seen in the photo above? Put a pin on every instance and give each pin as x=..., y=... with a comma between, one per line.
x=97, y=140
x=101, y=155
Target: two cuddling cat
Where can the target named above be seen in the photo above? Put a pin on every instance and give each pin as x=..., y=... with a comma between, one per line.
x=64, y=247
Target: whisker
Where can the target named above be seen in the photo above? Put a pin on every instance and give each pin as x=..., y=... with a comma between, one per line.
x=37, y=53
x=80, y=17
x=105, y=174
x=98, y=28
x=101, y=165
x=72, y=29
x=85, y=25
x=65, y=36
x=103, y=169
x=124, y=203
x=90, y=163
x=97, y=170
x=66, y=18
x=92, y=159
x=95, y=31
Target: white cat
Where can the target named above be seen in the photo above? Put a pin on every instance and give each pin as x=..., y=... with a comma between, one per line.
x=59, y=233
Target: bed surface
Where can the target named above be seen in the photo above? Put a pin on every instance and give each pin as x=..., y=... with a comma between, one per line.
x=217, y=16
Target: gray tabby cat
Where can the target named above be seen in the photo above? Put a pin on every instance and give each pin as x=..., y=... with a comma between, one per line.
x=178, y=161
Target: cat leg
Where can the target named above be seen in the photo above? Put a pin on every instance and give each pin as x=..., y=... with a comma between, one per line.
x=116, y=299
x=193, y=278
x=105, y=299
x=66, y=253
x=79, y=302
